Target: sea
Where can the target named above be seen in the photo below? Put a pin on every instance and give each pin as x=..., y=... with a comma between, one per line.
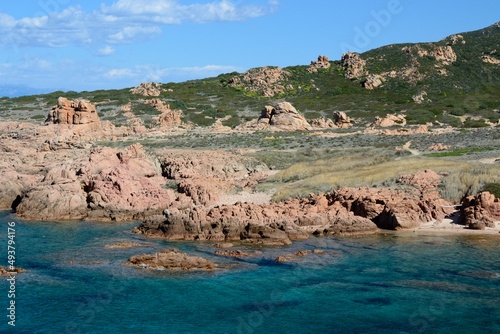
x=383, y=283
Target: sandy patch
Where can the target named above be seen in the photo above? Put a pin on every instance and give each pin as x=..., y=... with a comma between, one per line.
x=450, y=226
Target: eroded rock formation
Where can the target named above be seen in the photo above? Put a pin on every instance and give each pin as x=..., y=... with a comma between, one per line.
x=480, y=211
x=353, y=65
x=322, y=62
x=73, y=112
x=342, y=120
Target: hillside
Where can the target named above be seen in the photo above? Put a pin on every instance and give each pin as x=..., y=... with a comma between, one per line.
x=442, y=82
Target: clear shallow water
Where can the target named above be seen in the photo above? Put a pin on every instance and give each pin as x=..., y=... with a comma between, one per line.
x=370, y=284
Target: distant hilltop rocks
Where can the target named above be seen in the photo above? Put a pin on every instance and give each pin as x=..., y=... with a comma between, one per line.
x=73, y=112
x=148, y=89
x=445, y=54
x=266, y=79
x=322, y=62
x=353, y=65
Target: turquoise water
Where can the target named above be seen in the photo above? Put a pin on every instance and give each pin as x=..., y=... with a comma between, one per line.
x=369, y=284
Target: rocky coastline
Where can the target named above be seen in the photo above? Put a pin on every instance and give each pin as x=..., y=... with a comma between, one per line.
x=55, y=171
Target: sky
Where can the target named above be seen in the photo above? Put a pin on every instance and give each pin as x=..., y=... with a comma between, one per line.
x=104, y=44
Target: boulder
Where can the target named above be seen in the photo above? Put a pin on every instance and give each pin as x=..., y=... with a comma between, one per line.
x=341, y=120
x=389, y=120
x=283, y=117
x=322, y=123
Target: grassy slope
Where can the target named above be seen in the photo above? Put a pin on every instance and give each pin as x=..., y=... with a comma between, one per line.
x=472, y=87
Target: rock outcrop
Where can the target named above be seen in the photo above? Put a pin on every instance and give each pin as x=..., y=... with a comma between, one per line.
x=107, y=184
x=267, y=80
x=420, y=97
x=373, y=81
x=58, y=196
x=391, y=209
x=322, y=123
x=353, y=65
x=439, y=147
x=322, y=62
x=480, y=211
x=282, y=117
x=170, y=259
x=443, y=54
x=73, y=112
x=490, y=60
x=343, y=211
x=168, y=117
x=12, y=185
x=147, y=89
x=389, y=120
x=342, y=120
x=269, y=224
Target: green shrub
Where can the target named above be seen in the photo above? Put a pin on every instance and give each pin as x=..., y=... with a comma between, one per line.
x=471, y=123
x=419, y=116
x=450, y=120
x=313, y=114
x=457, y=112
x=493, y=188
x=232, y=122
x=39, y=117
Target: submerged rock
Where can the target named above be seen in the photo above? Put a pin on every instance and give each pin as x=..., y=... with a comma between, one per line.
x=126, y=244
x=236, y=254
x=170, y=259
x=5, y=271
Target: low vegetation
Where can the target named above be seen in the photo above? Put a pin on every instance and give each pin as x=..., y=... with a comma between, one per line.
x=463, y=178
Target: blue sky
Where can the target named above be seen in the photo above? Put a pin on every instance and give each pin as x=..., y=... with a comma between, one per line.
x=100, y=44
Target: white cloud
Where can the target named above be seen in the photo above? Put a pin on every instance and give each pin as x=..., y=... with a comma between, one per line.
x=78, y=75
x=119, y=73
x=156, y=73
x=106, y=51
x=123, y=22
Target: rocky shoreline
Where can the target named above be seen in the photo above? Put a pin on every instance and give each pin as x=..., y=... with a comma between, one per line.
x=55, y=171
